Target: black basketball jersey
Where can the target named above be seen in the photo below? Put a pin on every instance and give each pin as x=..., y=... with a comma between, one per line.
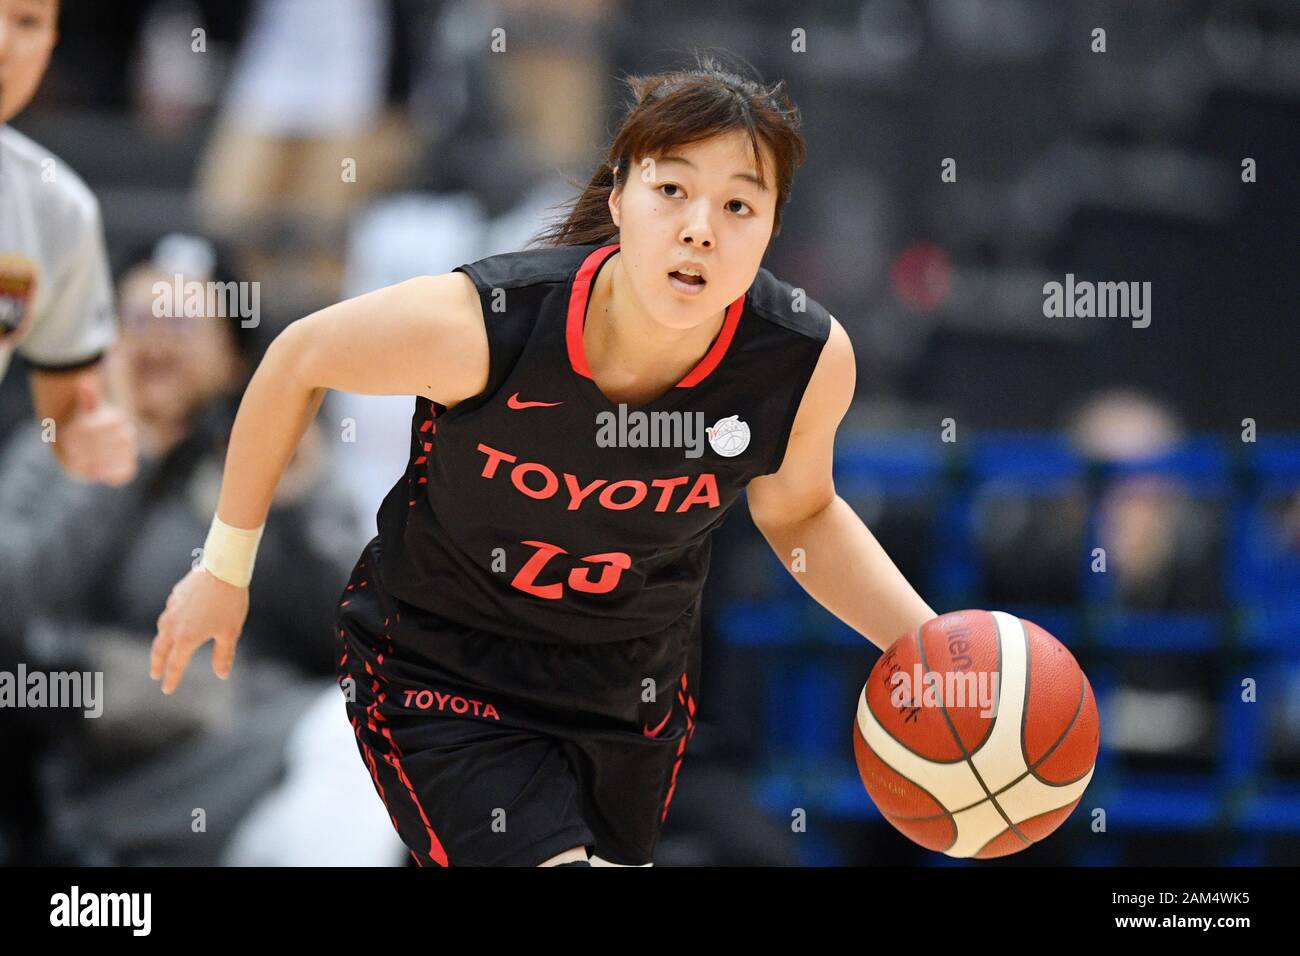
x=543, y=511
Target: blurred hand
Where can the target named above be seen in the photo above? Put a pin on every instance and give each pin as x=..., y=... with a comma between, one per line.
x=200, y=608
x=99, y=442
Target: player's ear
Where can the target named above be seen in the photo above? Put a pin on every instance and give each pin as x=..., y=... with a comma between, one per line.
x=615, y=199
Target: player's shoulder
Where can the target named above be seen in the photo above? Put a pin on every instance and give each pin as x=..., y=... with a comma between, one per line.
x=789, y=306
x=63, y=200
x=526, y=267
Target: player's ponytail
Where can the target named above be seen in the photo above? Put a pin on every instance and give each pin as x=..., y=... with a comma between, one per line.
x=676, y=108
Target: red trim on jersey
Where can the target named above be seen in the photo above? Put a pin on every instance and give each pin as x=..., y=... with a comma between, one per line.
x=577, y=318
x=578, y=296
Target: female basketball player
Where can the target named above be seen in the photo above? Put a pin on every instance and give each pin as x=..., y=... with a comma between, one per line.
x=519, y=644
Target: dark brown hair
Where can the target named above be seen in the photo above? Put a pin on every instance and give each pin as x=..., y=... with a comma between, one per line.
x=677, y=108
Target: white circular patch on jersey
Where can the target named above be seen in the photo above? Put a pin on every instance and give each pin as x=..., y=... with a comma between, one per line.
x=729, y=436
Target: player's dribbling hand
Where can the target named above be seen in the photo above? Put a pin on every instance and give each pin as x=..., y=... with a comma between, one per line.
x=201, y=607
x=99, y=443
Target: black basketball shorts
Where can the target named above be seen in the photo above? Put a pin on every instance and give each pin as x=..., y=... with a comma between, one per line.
x=476, y=770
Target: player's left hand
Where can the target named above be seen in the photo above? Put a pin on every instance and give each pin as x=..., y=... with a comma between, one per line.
x=99, y=443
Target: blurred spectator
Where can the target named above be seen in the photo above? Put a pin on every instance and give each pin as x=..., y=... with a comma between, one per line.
x=1031, y=544
x=88, y=570
x=1161, y=544
x=560, y=51
x=109, y=54
x=304, y=134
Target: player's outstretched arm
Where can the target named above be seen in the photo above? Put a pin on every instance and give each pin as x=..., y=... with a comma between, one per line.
x=423, y=337
x=843, y=566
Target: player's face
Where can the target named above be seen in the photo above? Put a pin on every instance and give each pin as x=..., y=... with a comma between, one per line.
x=696, y=203
x=28, y=30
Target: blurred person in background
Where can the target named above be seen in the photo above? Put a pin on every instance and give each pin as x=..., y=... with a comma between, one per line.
x=56, y=300
x=139, y=57
x=86, y=567
x=1160, y=546
x=56, y=311
x=1159, y=543
x=564, y=56
x=303, y=136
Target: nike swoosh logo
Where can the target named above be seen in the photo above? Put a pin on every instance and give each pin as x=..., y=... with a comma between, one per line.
x=514, y=402
x=645, y=728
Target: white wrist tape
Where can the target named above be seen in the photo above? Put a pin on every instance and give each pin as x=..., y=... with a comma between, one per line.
x=229, y=552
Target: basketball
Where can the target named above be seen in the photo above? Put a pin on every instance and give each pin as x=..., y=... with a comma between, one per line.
x=976, y=735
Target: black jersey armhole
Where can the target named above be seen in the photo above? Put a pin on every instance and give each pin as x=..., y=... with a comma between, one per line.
x=484, y=292
x=805, y=376
x=506, y=336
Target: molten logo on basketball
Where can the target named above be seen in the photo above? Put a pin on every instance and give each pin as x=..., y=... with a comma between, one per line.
x=729, y=436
